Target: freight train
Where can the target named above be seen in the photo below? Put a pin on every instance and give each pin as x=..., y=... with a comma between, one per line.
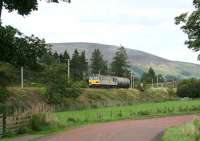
x=103, y=81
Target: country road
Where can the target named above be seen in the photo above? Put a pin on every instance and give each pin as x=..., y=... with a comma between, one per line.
x=136, y=130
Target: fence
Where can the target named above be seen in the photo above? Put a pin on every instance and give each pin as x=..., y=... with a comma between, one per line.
x=17, y=121
x=21, y=118
x=1, y=125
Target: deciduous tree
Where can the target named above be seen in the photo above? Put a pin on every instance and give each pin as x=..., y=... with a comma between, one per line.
x=23, y=7
x=18, y=49
x=190, y=25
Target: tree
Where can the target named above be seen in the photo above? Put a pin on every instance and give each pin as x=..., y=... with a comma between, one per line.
x=18, y=49
x=97, y=63
x=149, y=76
x=190, y=25
x=75, y=65
x=119, y=66
x=23, y=7
x=78, y=65
x=58, y=87
x=83, y=65
x=64, y=57
x=48, y=58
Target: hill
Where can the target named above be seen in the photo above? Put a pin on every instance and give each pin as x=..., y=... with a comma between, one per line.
x=140, y=61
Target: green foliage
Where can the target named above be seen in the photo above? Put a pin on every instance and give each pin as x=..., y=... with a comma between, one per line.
x=4, y=94
x=119, y=66
x=186, y=132
x=151, y=76
x=64, y=57
x=80, y=84
x=22, y=7
x=18, y=49
x=97, y=63
x=7, y=74
x=9, y=133
x=58, y=87
x=42, y=122
x=55, y=76
x=189, y=88
x=48, y=58
x=190, y=25
x=79, y=66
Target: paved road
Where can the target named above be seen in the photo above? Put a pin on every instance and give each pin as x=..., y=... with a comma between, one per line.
x=138, y=130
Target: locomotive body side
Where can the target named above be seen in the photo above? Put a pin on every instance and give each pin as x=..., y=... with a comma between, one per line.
x=108, y=81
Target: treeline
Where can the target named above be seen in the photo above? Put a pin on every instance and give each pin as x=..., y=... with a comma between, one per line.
x=80, y=67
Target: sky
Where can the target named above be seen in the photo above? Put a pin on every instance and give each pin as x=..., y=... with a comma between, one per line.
x=146, y=25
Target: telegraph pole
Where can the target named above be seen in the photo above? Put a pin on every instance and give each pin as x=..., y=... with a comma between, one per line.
x=157, y=81
x=152, y=82
x=68, y=69
x=22, y=77
x=131, y=81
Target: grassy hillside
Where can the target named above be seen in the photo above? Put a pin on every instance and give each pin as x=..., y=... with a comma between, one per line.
x=93, y=98
x=26, y=97
x=139, y=61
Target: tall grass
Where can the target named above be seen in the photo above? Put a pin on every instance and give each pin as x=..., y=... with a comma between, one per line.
x=186, y=132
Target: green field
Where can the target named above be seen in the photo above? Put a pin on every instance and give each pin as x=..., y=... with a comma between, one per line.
x=186, y=132
x=137, y=111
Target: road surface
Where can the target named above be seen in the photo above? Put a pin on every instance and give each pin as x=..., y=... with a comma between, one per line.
x=136, y=130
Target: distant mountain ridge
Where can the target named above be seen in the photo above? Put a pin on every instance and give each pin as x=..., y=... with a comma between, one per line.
x=139, y=61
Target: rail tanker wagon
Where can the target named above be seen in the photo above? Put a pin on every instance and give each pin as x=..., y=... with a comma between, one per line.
x=98, y=81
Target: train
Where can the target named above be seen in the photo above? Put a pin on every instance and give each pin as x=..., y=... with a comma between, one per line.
x=103, y=81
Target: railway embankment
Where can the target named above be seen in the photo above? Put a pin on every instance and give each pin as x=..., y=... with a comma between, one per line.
x=92, y=98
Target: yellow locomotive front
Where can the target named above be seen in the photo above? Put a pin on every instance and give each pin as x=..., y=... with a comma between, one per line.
x=94, y=80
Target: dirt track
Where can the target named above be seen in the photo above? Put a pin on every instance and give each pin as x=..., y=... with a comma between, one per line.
x=138, y=130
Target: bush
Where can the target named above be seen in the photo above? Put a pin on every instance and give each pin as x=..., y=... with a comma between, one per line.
x=4, y=94
x=189, y=88
x=81, y=84
x=58, y=87
x=9, y=133
x=41, y=122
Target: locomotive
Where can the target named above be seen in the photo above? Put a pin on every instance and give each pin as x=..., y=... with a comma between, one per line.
x=103, y=81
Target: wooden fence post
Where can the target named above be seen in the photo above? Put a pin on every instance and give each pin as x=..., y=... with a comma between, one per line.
x=4, y=123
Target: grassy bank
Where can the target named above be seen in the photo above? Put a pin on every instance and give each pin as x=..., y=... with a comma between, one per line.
x=137, y=111
x=92, y=98
x=186, y=132
x=99, y=98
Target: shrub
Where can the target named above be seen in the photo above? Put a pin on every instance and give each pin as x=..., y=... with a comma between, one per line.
x=3, y=94
x=41, y=122
x=9, y=133
x=58, y=87
x=81, y=84
x=189, y=88
x=23, y=130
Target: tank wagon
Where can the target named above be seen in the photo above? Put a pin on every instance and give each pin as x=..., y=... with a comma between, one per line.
x=98, y=81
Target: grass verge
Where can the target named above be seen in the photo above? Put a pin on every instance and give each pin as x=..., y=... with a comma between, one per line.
x=73, y=119
x=137, y=111
x=186, y=132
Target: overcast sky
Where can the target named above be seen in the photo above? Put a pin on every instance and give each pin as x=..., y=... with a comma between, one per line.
x=146, y=25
